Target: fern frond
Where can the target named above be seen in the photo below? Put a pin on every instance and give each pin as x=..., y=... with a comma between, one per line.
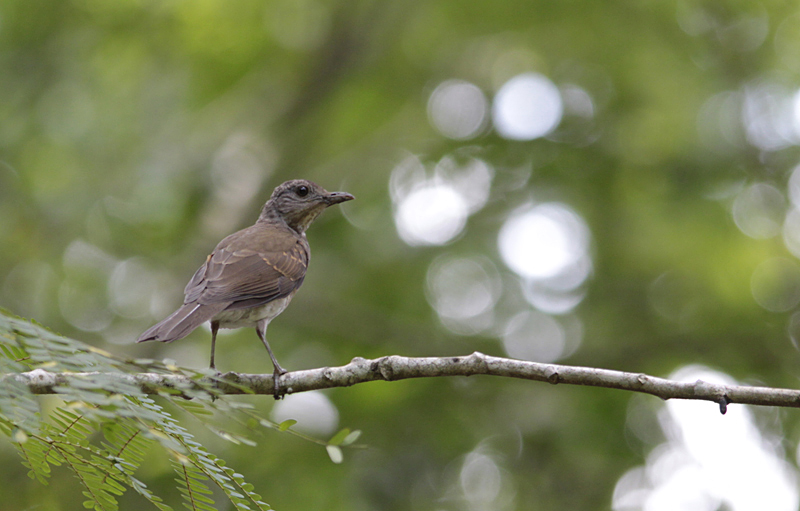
x=190, y=483
x=130, y=422
x=32, y=451
x=126, y=444
x=99, y=495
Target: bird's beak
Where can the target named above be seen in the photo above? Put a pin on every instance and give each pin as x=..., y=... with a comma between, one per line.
x=337, y=198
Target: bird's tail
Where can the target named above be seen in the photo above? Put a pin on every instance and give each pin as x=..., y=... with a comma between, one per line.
x=180, y=323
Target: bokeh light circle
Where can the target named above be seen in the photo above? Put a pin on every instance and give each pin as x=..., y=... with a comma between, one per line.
x=542, y=241
x=458, y=109
x=758, y=211
x=690, y=471
x=526, y=107
x=481, y=480
x=314, y=412
x=431, y=215
x=461, y=288
x=535, y=336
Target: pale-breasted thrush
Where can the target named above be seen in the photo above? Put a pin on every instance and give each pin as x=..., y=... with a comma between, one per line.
x=252, y=275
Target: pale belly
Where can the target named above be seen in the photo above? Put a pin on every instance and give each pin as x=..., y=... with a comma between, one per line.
x=241, y=318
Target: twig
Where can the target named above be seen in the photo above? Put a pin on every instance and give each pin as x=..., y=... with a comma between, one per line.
x=395, y=367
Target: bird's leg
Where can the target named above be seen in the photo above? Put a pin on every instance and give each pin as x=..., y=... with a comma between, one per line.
x=261, y=330
x=214, y=329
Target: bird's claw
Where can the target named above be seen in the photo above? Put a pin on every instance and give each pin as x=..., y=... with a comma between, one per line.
x=277, y=392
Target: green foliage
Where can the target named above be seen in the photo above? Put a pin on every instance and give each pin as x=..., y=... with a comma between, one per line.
x=102, y=429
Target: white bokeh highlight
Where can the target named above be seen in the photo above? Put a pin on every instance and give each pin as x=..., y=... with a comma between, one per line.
x=769, y=115
x=432, y=208
x=577, y=101
x=431, y=215
x=542, y=241
x=547, y=246
x=471, y=179
x=535, y=336
x=458, y=109
x=709, y=461
x=314, y=412
x=464, y=291
x=481, y=480
x=552, y=300
x=527, y=107
x=482, y=483
x=759, y=211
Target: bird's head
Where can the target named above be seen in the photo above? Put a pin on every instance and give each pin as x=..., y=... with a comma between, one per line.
x=298, y=202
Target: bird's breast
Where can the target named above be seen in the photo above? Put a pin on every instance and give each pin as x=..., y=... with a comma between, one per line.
x=240, y=318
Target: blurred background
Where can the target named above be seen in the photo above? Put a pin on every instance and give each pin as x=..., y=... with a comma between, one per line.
x=609, y=184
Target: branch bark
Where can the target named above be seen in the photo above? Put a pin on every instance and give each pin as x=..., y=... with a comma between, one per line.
x=392, y=368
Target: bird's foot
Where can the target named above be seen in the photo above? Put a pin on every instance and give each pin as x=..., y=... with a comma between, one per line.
x=218, y=375
x=277, y=392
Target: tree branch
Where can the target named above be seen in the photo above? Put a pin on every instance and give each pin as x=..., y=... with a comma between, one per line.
x=395, y=367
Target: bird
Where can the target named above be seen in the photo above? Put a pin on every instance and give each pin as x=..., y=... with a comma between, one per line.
x=253, y=274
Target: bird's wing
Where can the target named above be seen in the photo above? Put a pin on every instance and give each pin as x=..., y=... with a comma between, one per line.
x=251, y=267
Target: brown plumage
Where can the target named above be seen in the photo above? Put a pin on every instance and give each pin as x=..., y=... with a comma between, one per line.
x=252, y=275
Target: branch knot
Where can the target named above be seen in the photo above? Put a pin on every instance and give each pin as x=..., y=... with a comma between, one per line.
x=385, y=368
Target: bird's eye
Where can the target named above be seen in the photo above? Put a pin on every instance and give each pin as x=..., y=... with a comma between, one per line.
x=302, y=191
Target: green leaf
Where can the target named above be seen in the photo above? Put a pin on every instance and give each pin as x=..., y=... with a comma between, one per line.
x=352, y=437
x=288, y=423
x=335, y=453
x=339, y=437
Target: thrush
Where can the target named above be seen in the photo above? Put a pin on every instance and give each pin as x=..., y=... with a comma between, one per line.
x=252, y=275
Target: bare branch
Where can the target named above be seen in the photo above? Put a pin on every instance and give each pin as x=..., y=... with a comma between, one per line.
x=395, y=367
